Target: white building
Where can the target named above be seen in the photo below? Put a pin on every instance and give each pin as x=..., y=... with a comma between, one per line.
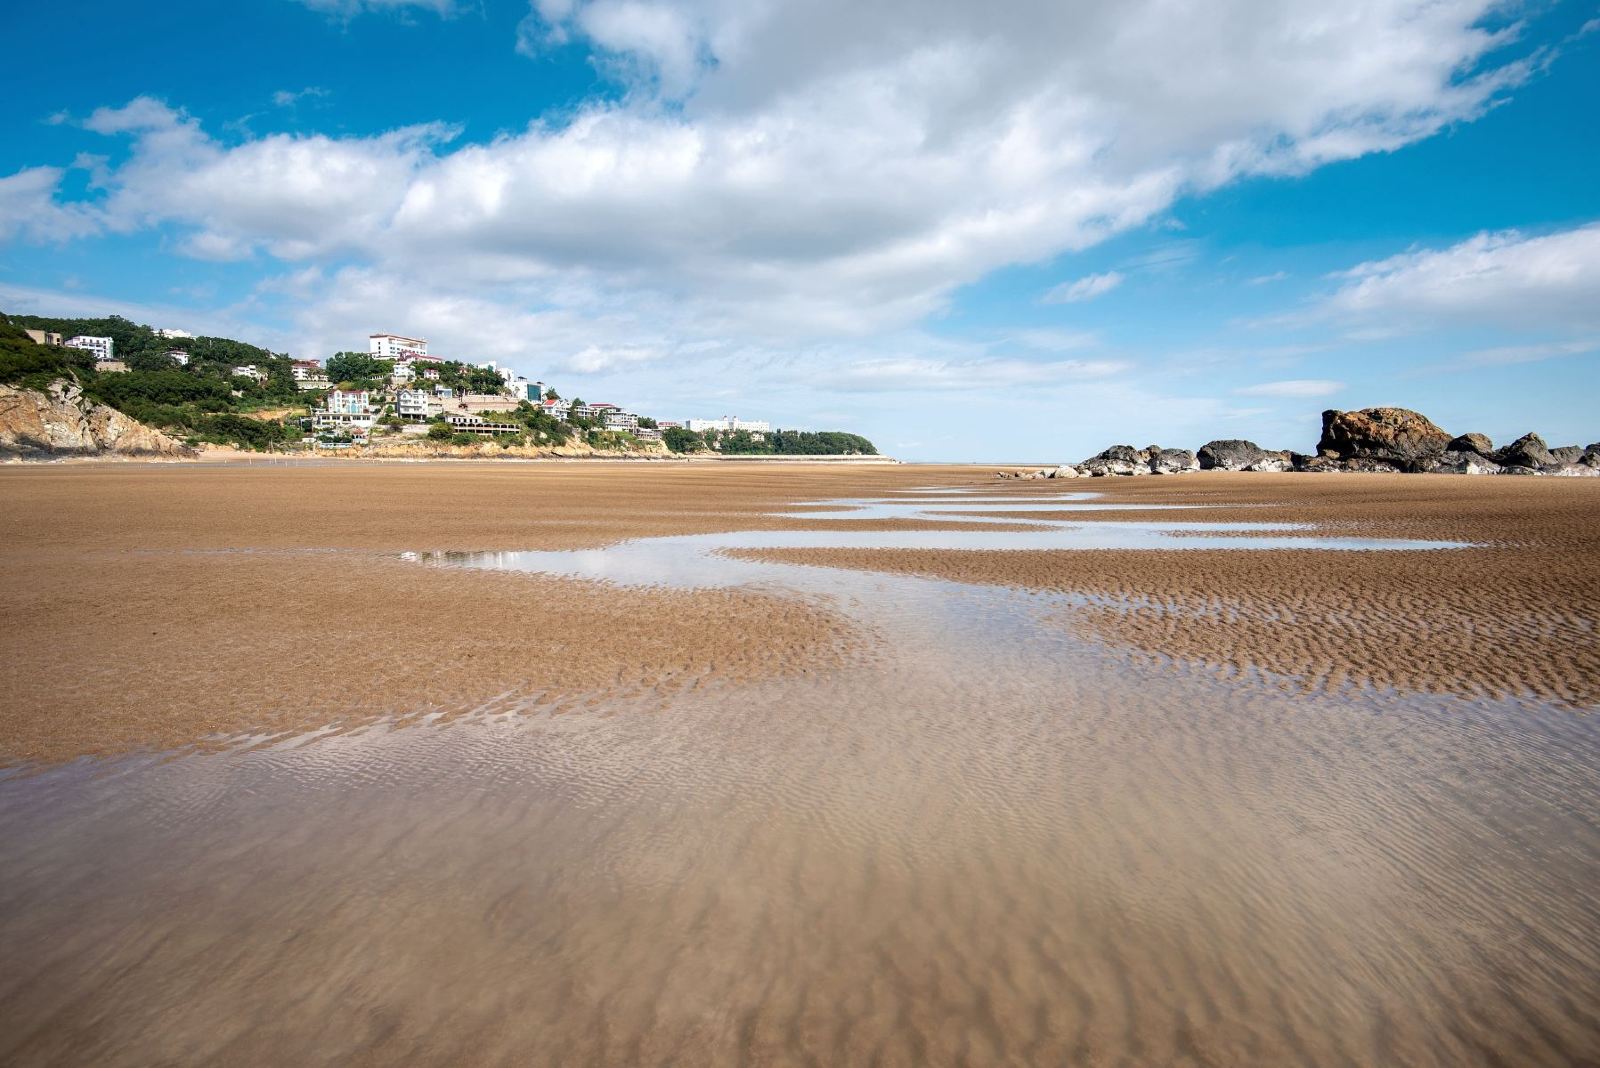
x=617, y=419
x=172, y=334
x=179, y=357
x=729, y=423
x=416, y=404
x=249, y=370
x=304, y=369
x=345, y=410
x=100, y=346
x=395, y=347
x=522, y=389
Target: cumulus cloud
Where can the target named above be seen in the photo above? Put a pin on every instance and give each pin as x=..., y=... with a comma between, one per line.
x=1294, y=387
x=782, y=172
x=29, y=209
x=1509, y=278
x=1085, y=288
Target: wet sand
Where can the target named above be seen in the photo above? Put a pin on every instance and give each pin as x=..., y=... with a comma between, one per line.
x=1518, y=616
x=973, y=825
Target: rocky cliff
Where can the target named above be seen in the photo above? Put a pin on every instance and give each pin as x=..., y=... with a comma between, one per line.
x=60, y=421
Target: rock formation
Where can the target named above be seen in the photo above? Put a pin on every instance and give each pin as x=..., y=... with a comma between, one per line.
x=1475, y=443
x=1231, y=454
x=1527, y=451
x=61, y=422
x=1400, y=437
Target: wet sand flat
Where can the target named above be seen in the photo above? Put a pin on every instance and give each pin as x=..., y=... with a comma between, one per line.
x=1519, y=614
x=689, y=804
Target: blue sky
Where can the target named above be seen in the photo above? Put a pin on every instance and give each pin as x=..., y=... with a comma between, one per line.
x=968, y=233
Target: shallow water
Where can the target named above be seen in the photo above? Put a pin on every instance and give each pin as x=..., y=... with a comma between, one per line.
x=983, y=841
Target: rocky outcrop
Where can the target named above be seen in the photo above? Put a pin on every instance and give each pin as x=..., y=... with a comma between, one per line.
x=1527, y=451
x=1231, y=454
x=1474, y=443
x=1117, y=460
x=1172, y=461
x=1400, y=437
x=1372, y=440
x=62, y=422
x=1458, y=462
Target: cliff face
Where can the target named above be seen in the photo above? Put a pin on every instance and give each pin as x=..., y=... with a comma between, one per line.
x=62, y=422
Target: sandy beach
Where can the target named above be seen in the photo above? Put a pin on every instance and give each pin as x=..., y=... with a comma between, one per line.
x=683, y=764
x=158, y=606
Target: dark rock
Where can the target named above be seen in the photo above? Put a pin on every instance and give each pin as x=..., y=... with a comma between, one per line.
x=1229, y=454
x=1478, y=443
x=1172, y=461
x=1399, y=437
x=1590, y=457
x=1117, y=460
x=1567, y=454
x=1282, y=460
x=1527, y=451
x=1464, y=462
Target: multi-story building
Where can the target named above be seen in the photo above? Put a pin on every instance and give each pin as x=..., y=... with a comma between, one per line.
x=555, y=407
x=523, y=389
x=617, y=419
x=100, y=346
x=44, y=337
x=431, y=374
x=249, y=370
x=645, y=433
x=349, y=410
x=416, y=404
x=729, y=423
x=477, y=424
x=179, y=357
x=304, y=369
x=395, y=347
x=404, y=370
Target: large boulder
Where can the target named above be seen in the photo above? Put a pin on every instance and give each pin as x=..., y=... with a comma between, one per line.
x=1527, y=451
x=1478, y=443
x=1400, y=437
x=1567, y=454
x=1591, y=456
x=1230, y=454
x=1117, y=460
x=1172, y=461
x=1464, y=462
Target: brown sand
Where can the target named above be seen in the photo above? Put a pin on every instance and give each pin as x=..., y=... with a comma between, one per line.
x=1516, y=617
x=156, y=606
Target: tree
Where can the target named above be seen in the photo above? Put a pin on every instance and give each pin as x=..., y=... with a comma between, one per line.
x=357, y=367
x=440, y=432
x=680, y=440
x=647, y=423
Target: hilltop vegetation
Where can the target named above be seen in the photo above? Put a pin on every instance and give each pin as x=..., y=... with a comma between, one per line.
x=201, y=402
x=777, y=443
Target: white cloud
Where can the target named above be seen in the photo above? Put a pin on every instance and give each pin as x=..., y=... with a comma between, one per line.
x=29, y=209
x=288, y=98
x=1294, y=387
x=902, y=374
x=1508, y=355
x=1506, y=278
x=833, y=167
x=1085, y=288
